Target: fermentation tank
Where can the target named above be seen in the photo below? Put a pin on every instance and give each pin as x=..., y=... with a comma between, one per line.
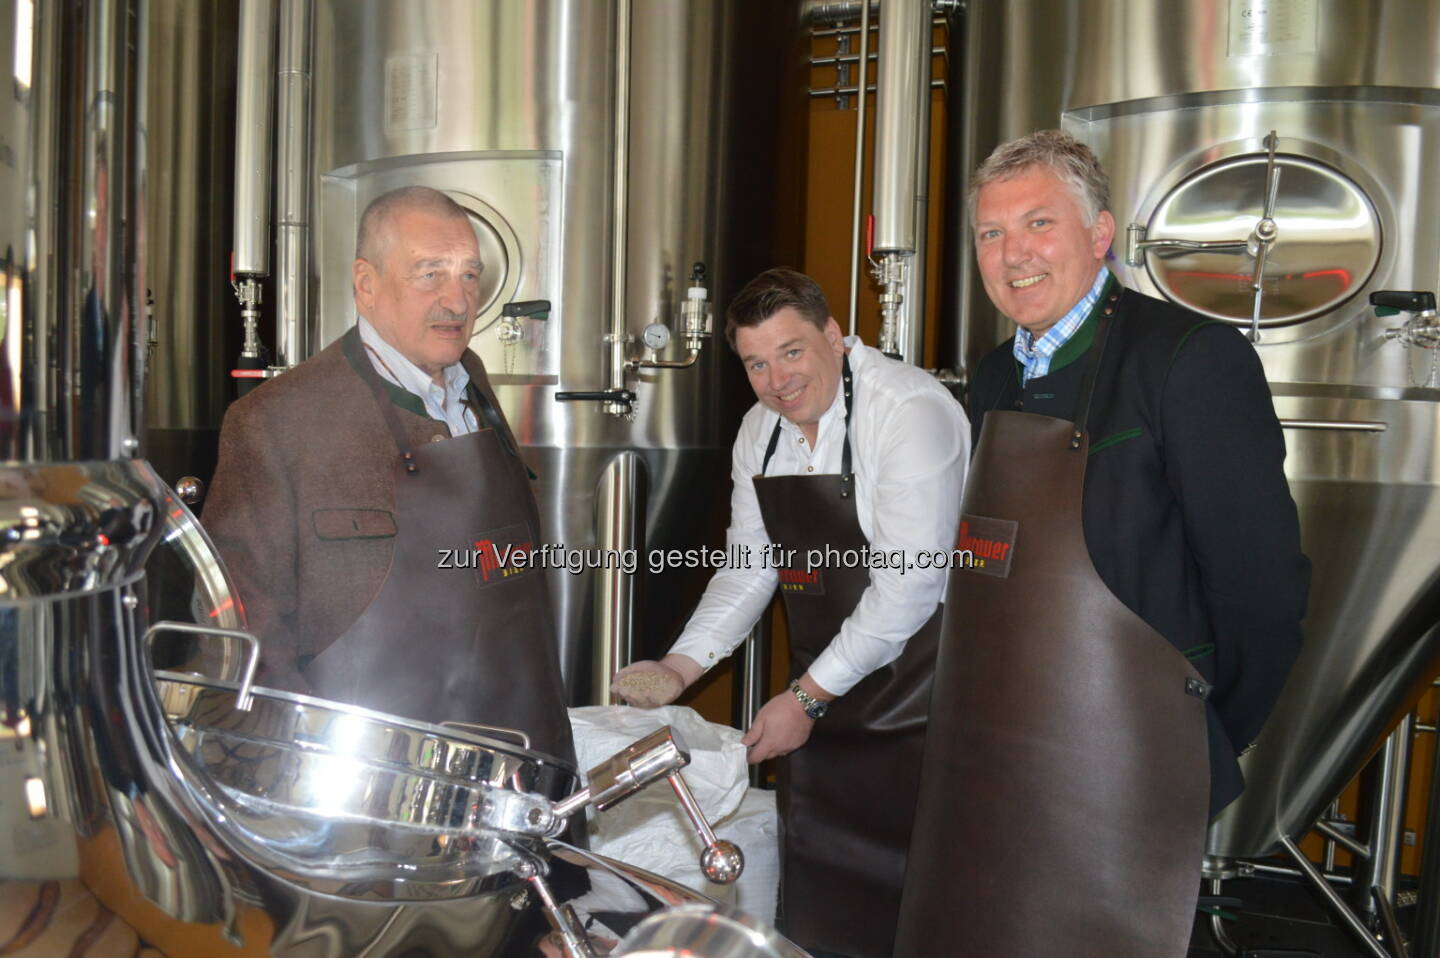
x=602, y=149
x=252, y=817
x=1298, y=136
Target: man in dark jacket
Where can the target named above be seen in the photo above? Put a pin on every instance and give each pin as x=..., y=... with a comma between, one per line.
x=1129, y=470
x=370, y=502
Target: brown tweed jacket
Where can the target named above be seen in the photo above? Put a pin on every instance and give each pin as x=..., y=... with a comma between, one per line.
x=302, y=504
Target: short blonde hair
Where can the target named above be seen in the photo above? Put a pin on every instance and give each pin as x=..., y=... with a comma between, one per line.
x=1071, y=161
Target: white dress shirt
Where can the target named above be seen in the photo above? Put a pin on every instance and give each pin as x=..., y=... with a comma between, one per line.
x=444, y=403
x=910, y=445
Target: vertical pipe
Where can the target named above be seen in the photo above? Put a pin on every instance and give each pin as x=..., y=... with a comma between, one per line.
x=256, y=80
x=101, y=409
x=1387, y=819
x=619, y=511
x=755, y=674
x=619, y=231
x=904, y=67
x=912, y=333
x=1426, y=929
x=292, y=191
x=861, y=84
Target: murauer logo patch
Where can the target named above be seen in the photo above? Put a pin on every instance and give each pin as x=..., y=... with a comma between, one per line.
x=504, y=554
x=801, y=582
x=991, y=541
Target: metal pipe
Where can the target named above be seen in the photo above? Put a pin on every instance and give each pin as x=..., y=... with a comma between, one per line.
x=617, y=338
x=1426, y=929
x=860, y=111
x=1387, y=818
x=837, y=11
x=1283, y=872
x=903, y=72
x=1358, y=849
x=956, y=262
x=1217, y=924
x=1318, y=882
x=937, y=84
x=1388, y=925
x=619, y=510
x=292, y=199
x=754, y=676
x=255, y=86
x=1341, y=425
x=855, y=58
x=1330, y=844
x=911, y=334
x=901, y=135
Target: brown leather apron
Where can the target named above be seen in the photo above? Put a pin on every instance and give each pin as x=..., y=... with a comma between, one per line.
x=847, y=796
x=1063, y=804
x=473, y=641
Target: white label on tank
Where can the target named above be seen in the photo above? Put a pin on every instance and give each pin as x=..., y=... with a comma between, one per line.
x=410, y=85
x=1267, y=28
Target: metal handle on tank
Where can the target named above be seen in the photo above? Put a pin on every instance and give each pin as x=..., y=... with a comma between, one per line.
x=1265, y=234
x=500, y=730
x=243, y=698
x=661, y=754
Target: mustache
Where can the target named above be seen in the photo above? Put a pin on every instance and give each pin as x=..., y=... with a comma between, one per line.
x=440, y=314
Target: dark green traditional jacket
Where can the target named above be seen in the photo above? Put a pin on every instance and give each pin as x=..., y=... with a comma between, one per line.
x=1187, y=514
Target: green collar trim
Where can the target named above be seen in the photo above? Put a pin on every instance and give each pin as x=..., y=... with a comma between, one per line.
x=354, y=351
x=1078, y=344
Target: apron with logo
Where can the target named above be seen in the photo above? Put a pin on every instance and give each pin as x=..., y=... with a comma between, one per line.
x=460, y=630
x=1062, y=809
x=847, y=796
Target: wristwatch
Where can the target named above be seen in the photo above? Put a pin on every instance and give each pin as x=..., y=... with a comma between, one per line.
x=813, y=707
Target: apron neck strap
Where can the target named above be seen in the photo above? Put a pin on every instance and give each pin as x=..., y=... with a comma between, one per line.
x=1092, y=366
x=486, y=413
x=847, y=476
x=387, y=411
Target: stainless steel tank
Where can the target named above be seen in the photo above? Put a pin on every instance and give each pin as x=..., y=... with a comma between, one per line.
x=1178, y=101
x=602, y=149
x=314, y=828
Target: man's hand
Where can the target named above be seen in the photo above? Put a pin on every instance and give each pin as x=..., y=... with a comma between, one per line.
x=781, y=726
x=649, y=685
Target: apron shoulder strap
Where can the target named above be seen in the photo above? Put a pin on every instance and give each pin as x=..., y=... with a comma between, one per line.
x=1092, y=366
x=770, y=449
x=387, y=409
x=847, y=475
x=490, y=416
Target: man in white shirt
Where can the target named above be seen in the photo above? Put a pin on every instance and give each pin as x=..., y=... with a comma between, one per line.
x=847, y=476
x=366, y=501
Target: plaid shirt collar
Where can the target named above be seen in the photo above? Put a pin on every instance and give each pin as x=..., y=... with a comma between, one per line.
x=1034, y=356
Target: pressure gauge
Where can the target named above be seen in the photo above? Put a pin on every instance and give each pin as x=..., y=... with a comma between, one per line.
x=656, y=336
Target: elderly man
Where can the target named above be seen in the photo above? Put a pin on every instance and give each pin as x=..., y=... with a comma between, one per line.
x=1095, y=686
x=345, y=483
x=855, y=453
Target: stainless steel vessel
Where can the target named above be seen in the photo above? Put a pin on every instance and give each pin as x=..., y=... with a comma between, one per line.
x=316, y=829
x=1179, y=101
x=602, y=150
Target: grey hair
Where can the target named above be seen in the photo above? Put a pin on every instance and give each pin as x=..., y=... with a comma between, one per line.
x=372, y=240
x=1071, y=161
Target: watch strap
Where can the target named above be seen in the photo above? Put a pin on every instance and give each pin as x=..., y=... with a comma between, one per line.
x=813, y=707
